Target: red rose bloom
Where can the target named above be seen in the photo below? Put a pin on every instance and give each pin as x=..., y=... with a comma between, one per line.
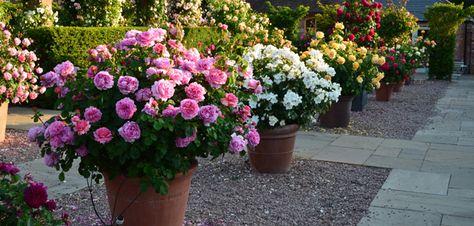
x=35, y=195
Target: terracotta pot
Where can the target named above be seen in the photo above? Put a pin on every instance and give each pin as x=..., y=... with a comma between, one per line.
x=384, y=93
x=275, y=151
x=338, y=115
x=3, y=120
x=150, y=208
x=398, y=86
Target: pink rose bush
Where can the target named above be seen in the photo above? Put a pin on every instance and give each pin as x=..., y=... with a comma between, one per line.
x=18, y=69
x=24, y=201
x=147, y=106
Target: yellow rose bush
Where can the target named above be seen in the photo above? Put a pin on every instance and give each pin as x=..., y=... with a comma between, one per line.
x=356, y=68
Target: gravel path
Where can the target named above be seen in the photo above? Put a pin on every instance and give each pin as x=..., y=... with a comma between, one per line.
x=400, y=118
x=227, y=192
x=17, y=149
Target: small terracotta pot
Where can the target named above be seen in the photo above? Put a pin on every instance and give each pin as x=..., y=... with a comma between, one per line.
x=384, y=93
x=3, y=120
x=150, y=208
x=338, y=115
x=274, y=154
x=398, y=86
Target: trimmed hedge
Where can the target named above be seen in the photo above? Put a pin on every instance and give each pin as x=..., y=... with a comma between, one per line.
x=57, y=44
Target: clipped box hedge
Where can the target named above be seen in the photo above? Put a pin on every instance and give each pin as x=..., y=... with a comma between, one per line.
x=57, y=44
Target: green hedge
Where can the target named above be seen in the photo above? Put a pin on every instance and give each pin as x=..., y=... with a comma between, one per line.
x=57, y=44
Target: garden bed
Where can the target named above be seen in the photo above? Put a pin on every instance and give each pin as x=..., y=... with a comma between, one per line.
x=400, y=118
x=227, y=192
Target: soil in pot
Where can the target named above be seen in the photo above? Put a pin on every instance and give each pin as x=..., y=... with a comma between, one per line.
x=149, y=208
x=274, y=154
x=338, y=115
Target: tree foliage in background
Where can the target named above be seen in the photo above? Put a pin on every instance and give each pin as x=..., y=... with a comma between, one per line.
x=287, y=19
x=327, y=18
x=397, y=24
x=444, y=21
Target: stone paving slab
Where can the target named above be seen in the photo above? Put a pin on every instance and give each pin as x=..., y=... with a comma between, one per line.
x=393, y=217
x=404, y=144
x=455, y=158
x=49, y=176
x=468, y=193
x=456, y=221
x=413, y=181
x=369, y=143
x=395, y=163
x=342, y=154
x=438, y=204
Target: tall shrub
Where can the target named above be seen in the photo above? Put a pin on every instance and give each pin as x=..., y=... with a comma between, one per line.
x=397, y=24
x=287, y=19
x=444, y=21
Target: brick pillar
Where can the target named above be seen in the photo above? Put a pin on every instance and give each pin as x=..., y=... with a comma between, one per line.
x=470, y=47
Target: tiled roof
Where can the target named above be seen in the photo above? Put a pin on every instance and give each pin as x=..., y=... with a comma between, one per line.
x=417, y=7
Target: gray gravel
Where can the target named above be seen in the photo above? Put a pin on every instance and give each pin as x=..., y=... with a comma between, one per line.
x=17, y=149
x=400, y=118
x=227, y=192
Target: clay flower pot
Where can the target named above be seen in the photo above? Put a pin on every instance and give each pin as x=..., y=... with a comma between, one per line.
x=275, y=151
x=3, y=120
x=398, y=86
x=384, y=93
x=150, y=208
x=338, y=115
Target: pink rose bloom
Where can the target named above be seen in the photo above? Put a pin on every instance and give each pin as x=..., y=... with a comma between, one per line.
x=158, y=34
x=244, y=113
x=205, y=64
x=33, y=96
x=151, y=108
x=143, y=94
x=92, y=114
x=82, y=151
x=209, y=114
x=17, y=41
x=125, y=43
x=230, y=100
x=192, y=55
x=189, y=66
x=163, y=89
x=189, y=108
x=35, y=132
x=145, y=39
x=237, y=144
x=195, y=91
x=127, y=84
x=130, y=131
x=159, y=48
x=103, y=80
x=162, y=63
x=81, y=127
x=132, y=33
x=49, y=79
x=153, y=71
x=182, y=142
x=51, y=159
x=103, y=135
x=32, y=56
x=26, y=42
x=7, y=76
x=125, y=108
x=65, y=69
x=170, y=111
x=92, y=71
x=58, y=134
x=216, y=78
x=255, y=86
x=253, y=137
x=3, y=89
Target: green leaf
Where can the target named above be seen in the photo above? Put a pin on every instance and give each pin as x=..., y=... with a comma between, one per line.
x=61, y=176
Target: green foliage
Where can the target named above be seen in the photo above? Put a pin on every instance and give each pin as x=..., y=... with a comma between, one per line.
x=444, y=21
x=397, y=25
x=91, y=13
x=7, y=11
x=327, y=18
x=287, y=19
x=147, y=13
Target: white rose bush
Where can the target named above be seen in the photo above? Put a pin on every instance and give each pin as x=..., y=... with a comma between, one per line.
x=287, y=90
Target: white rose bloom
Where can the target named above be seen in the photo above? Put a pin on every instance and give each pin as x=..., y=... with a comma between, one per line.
x=272, y=120
x=291, y=99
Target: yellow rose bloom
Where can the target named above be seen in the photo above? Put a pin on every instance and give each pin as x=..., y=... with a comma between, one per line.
x=327, y=77
x=355, y=66
x=341, y=60
x=332, y=54
x=381, y=60
x=352, y=58
x=375, y=59
x=314, y=43
x=304, y=55
x=359, y=79
x=380, y=76
x=339, y=26
x=334, y=45
x=363, y=50
x=338, y=38
x=319, y=35
x=342, y=47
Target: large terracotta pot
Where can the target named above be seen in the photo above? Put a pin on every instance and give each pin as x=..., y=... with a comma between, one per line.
x=398, y=86
x=384, y=93
x=150, y=208
x=338, y=115
x=3, y=120
x=274, y=154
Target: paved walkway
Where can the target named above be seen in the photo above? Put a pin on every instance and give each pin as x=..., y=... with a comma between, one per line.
x=432, y=181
